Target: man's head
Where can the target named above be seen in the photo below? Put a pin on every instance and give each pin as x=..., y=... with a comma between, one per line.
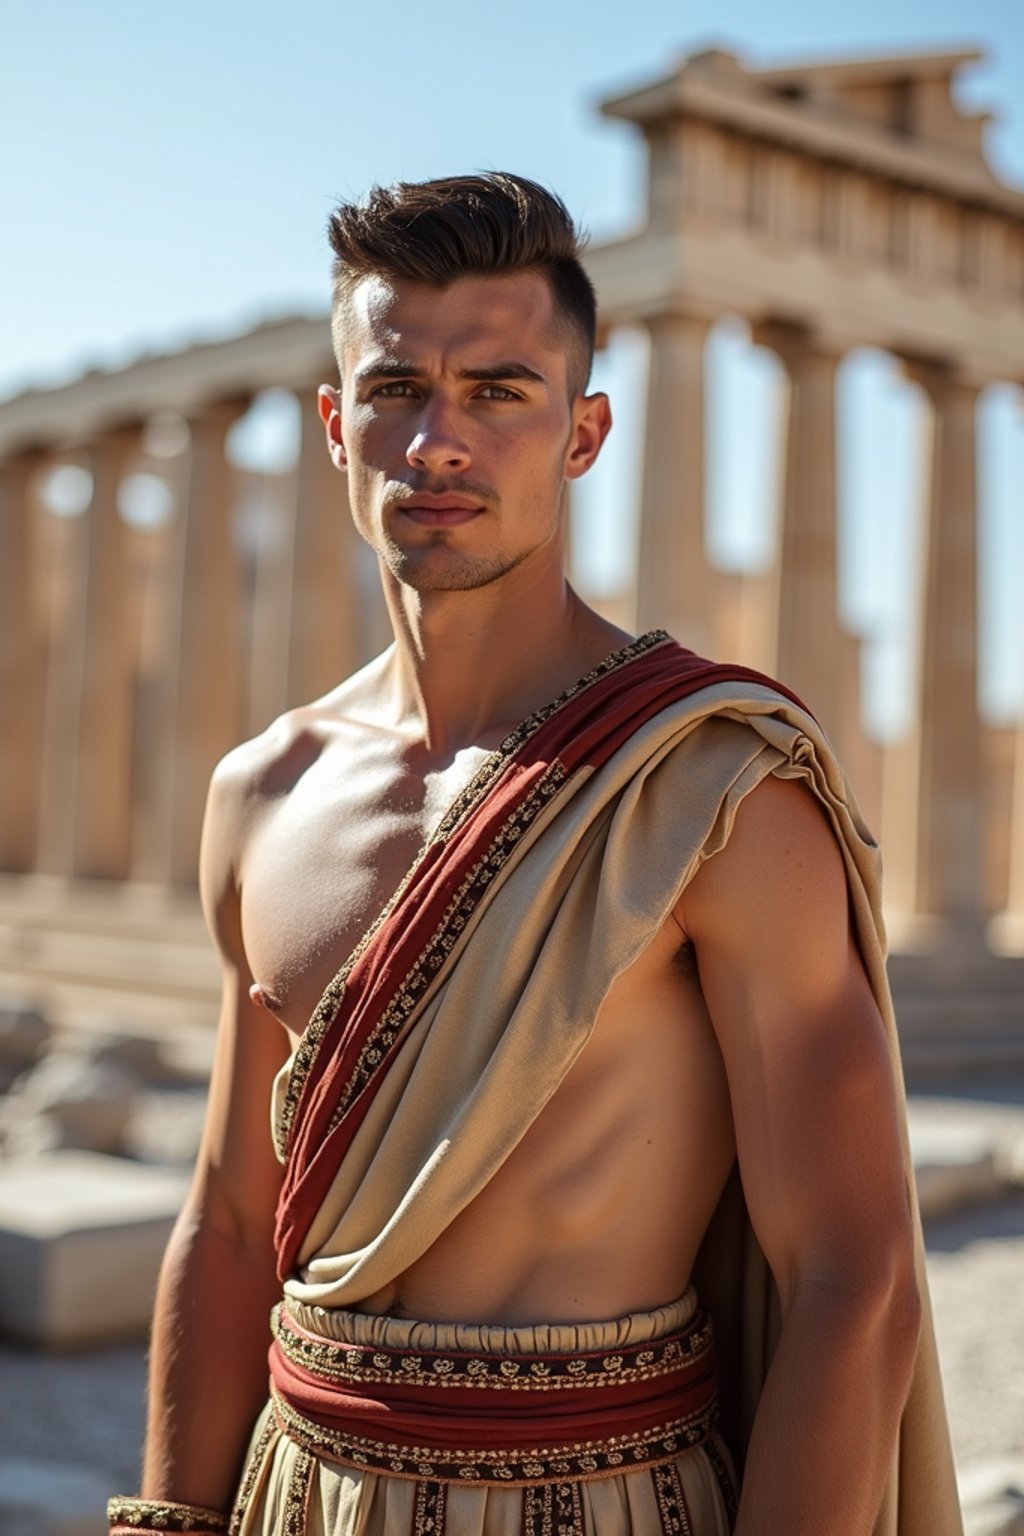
x=435, y=232
x=463, y=325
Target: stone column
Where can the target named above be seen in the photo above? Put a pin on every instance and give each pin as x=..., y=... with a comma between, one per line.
x=22, y=669
x=68, y=558
x=205, y=669
x=103, y=728
x=809, y=652
x=673, y=578
x=1013, y=918
x=326, y=607
x=949, y=868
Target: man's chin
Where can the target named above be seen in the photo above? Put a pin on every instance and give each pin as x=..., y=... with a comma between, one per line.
x=442, y=571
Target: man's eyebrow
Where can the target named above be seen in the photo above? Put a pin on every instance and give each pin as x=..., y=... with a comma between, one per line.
x=500, y=371
x=401, y=368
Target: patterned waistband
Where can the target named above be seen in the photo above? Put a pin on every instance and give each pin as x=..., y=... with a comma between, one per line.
x=520, y=1416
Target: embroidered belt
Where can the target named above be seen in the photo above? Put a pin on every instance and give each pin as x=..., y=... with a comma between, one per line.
x=460, y=1417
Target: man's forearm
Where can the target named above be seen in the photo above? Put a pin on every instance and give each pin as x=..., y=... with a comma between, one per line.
x=828, y=1418
x=208, y=1364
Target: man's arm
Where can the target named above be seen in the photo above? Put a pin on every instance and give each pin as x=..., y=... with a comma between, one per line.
x=817, y=1134
x=208, y=1365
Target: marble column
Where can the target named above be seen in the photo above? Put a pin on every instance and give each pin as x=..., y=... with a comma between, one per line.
x=204, y=715
x=1013, y=917
x=809, y=651
x=104, y=723
x=673, y=578
x=325, y=604
x=949, y=862
x=22, y=668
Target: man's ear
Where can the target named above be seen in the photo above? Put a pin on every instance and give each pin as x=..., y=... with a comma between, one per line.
x=328, y=403
x=592, y=421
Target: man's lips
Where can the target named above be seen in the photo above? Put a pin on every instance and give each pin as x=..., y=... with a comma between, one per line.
x=439, y=511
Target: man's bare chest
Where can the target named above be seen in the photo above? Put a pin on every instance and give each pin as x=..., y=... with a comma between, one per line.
x=325, y=859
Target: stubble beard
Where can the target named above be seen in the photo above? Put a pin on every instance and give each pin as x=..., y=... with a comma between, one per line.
x=422, y=571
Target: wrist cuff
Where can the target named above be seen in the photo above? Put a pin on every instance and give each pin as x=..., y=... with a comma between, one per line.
x=153, y=1517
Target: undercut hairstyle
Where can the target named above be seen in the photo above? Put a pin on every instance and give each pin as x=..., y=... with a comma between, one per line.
x=435, y=232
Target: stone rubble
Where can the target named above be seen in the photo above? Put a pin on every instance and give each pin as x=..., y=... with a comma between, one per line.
x=24, y=1033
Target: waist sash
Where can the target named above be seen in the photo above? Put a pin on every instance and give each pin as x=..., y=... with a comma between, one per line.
x=478, y=1417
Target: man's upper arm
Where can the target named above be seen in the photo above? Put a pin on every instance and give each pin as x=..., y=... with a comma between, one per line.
x=237, y=1175
x=811, y=1080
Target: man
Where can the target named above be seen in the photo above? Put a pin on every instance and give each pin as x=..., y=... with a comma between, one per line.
x=574, y=941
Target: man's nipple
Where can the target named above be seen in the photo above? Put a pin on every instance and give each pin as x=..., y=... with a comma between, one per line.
x=264, y=998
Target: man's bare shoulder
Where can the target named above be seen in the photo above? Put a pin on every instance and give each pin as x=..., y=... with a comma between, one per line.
x=271, y=763
x=778, y=877
x=257, y=773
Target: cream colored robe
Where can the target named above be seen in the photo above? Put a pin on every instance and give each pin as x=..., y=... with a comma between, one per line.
x=587, y=887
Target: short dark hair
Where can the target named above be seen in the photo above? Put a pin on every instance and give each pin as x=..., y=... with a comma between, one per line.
x=461, y=226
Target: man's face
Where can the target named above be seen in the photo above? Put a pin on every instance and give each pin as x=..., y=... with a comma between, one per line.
x=457, y=431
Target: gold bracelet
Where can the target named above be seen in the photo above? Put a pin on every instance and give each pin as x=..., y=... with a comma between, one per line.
x=141, y=1516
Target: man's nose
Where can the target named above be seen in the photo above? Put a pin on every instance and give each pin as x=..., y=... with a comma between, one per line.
x=438, y=442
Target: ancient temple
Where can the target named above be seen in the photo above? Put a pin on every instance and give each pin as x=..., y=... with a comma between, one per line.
x=830, y=205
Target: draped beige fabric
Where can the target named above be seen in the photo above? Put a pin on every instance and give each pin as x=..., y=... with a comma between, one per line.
x=588, y=886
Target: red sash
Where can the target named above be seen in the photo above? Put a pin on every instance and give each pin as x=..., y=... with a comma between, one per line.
x=458, y=1416
x=356, y=1029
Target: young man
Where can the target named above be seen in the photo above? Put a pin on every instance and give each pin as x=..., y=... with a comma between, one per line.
x=558, y=955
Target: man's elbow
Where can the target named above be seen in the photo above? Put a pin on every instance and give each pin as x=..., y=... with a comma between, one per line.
x=899, y=1318
x=871, y=1297
x=879, y=1305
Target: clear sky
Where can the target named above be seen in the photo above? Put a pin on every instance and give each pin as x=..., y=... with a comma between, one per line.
x=167, y=172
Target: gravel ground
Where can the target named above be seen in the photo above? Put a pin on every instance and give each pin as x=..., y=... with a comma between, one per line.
x=87, y=1408
x=976, y=1269
x=80, y=1410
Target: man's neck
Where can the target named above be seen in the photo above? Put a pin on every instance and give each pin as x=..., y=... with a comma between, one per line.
x=469, y=666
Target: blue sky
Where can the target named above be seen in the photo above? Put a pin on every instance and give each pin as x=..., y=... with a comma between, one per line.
x=168, y=172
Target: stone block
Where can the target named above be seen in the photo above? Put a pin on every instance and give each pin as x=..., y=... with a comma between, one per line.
x=47, y=1498
x=992, y=1495
x=955, y=1165
x=81, y=1239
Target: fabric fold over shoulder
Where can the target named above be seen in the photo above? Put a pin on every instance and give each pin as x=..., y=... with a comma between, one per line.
x=465, y=1005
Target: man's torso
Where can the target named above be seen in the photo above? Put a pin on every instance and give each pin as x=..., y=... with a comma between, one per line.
x=601, y=1207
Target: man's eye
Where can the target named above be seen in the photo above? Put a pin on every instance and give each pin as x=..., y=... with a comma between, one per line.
x=395, y=390
x=498, y=392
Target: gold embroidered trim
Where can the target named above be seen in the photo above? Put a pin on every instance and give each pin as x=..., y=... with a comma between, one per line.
x=293, y=1519
x=251, y=1475
x=481, y=782
x=553, y=1509
x=668, y=1490
x=352, y=1365
x=577, y=1460
x=430, y=1509
x=164, y=1515
x=425, y=969
x=492, y=767
x=539, y=1510
x=568, y=1509
x=726, y=1483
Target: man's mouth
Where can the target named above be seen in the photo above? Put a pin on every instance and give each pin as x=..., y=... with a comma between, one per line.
x=443, y=511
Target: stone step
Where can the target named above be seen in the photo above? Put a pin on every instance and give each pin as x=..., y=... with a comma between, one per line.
x=960, y=1016
x=965, y=1152
x=101, y=947
x=81, y=1239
